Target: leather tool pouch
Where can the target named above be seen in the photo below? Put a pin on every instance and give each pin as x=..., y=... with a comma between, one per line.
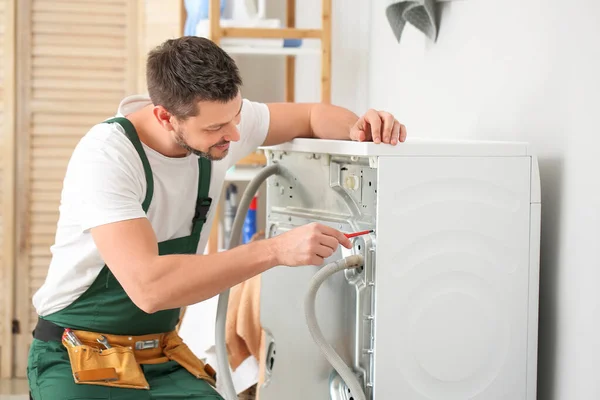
x=175, y=349
x=119, y=366
x=116, y=367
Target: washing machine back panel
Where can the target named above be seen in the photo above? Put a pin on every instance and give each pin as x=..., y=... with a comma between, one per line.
x=451, y=304
x=340, y=192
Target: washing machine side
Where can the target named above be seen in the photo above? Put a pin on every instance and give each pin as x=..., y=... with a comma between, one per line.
x=453, y=286
x=534, y=278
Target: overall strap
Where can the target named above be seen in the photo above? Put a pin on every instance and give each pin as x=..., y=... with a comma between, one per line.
x=203, y=201
x=132, y=135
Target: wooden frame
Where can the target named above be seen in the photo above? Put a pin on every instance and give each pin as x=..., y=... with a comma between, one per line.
x=23, y=123
x=290, y=61
x=8, y=191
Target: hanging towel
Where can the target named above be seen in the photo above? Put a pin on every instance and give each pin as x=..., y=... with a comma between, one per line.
x=243, y=333
x=419, y=13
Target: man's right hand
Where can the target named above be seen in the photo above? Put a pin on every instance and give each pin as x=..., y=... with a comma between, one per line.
x=310, y=244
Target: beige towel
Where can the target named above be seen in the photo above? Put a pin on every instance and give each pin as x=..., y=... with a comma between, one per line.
x=243, y=332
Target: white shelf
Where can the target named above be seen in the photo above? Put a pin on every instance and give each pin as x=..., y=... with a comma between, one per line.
x=242, y=174
x=285, y=51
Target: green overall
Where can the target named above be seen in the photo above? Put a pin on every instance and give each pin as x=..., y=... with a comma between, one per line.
x=105, y=307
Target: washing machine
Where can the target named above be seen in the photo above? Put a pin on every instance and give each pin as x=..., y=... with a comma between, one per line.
x=445, y=306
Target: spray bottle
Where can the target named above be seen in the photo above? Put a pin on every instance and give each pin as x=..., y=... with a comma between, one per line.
x=250, y=222
x=231, y=203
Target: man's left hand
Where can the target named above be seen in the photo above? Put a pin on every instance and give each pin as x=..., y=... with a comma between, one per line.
x=378, y=126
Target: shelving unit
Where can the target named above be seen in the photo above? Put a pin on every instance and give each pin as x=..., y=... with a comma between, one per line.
x=217, y=32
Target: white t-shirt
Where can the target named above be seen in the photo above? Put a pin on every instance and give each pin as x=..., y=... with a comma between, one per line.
x=105, y=183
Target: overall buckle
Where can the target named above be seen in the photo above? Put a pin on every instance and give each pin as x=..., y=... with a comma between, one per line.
x=202, y=208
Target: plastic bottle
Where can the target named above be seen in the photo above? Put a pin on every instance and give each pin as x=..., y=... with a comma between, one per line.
x=231, y=203
x=250, y=222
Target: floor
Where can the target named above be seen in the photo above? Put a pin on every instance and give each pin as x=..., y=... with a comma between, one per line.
x=13, y=389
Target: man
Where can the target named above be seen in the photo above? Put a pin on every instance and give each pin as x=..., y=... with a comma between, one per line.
x=133, y=226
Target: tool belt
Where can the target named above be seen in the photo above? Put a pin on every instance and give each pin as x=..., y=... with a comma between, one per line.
x=119, y=365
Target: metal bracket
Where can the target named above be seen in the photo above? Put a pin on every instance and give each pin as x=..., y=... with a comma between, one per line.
x=146, y=344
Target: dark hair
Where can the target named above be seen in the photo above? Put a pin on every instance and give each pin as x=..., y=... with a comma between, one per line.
x=180, y=72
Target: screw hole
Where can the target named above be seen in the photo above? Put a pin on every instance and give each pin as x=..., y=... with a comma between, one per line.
x=369, y=183
x=359, y=247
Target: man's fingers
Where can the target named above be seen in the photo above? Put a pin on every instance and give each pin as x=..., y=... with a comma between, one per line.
x=388, y=125
x=329, y=241
x=324, y=251
x=395, y=133
x=362, y=136
x=374, y=120
x=402, y=133
x=337, y=235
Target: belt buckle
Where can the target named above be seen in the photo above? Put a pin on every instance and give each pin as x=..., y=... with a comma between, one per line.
x=146, y=344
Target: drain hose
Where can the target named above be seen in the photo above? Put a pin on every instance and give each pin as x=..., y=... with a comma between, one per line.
x=330, y=354
x=223, y=371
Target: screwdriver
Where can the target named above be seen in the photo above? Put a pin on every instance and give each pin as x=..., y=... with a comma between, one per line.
x=360, y=233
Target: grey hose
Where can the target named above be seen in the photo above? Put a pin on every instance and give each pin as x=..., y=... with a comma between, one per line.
x=224, y=374
x=334, y=359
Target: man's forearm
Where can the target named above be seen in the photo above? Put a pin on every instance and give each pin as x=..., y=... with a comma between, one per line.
x=331, y=122
x=179, y=280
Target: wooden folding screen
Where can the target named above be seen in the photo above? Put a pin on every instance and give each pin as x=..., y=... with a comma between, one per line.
x=77, y=60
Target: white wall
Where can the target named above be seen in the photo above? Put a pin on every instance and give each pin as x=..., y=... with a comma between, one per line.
x=530, y=71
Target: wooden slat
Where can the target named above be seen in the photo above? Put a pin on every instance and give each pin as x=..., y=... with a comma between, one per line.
x=71, y=106
x=45, y=218
x=76, y=84
x=39, y=251
x=80, y=51
x=77, y=74
x=77, y=64
x=72, y=62
x=83, y=31
x=84, y=121
x=79, y=19
x=67, y=39
x=214, y=11
x=92, y=2
x=55, y=131
x=290, y=61
x=272, y=33
x=55, y=142
x=99, y=8
x=58, y=153
x=51, y=94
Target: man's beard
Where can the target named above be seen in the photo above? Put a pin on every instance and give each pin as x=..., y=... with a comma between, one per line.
x=181, y=142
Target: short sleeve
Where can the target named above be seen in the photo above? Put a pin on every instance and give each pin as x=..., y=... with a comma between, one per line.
x=104, y=182
x=254, y=126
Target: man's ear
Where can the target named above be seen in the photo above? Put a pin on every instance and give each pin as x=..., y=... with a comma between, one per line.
x=163, y=117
